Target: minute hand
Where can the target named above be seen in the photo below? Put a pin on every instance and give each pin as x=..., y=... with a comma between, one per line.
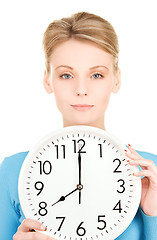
x=79, y=163
x=80, y=186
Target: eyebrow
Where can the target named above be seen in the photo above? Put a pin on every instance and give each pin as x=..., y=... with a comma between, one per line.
x=66, y=66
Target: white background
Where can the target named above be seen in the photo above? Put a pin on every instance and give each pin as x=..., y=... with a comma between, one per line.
x=27, y=113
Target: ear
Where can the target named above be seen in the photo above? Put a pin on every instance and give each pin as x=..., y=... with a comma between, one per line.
x=117, y=81
x=46, y=82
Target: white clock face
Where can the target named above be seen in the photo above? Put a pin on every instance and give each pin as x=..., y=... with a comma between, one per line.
x=78, y=183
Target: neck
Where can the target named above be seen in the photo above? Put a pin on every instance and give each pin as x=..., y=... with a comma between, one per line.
x=98, y=124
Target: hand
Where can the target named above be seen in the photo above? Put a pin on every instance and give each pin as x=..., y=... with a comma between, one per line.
x=62, y=198
x=24, y=231
x=149, y=182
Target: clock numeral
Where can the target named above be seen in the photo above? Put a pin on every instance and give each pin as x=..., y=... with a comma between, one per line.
x=122, y=186
x=80, y=149
x=57, y=151
x=116, y=169
x=81, y=231
x=101, y=221
x=42, y=211
x=39, y=186
x=63, y=218
x=100, y=145
x=45, y=167
x=118, y=206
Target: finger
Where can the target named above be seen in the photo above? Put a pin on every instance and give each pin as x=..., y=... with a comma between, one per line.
x=28, y=224
x=133, y=151
x=32, y=236
x=149, y=164
x=133, y=154
x=131, y=148
x=147, y=173
x=144, y=164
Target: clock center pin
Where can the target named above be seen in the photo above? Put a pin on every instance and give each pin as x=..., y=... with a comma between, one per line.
x=79, y=186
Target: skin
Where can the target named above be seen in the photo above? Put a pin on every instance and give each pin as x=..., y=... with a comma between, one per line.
x=79, y=84
x=82, y=86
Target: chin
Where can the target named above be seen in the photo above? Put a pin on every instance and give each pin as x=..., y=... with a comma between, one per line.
x=80, y=122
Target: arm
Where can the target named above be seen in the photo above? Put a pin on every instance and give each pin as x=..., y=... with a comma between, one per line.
x=148, y=204
x=9, y=217
x=149, y=226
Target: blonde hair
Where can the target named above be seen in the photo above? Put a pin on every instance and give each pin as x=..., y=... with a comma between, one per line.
x=82, y=26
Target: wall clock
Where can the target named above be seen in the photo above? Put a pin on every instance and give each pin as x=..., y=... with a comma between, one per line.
x=77, y=182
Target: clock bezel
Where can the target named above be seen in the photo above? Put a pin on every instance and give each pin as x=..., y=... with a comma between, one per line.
x=73, y=129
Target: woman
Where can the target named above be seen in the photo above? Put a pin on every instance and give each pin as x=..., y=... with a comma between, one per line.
x=82, y=71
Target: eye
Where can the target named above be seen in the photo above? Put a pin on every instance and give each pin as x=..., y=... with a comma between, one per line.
x=97, y=75
x=66, y=76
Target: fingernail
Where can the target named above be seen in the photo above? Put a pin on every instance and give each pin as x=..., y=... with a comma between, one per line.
x=135, y=174
x=129, y=145
x=130, y=161
x=125, y=150
x=43, y=228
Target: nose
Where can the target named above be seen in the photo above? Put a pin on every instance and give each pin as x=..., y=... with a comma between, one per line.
x=81, y=88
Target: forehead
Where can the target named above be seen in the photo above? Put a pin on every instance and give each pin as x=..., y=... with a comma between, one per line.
x=78, y=53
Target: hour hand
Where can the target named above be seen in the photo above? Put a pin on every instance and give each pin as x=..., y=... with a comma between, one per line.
x=62, y=198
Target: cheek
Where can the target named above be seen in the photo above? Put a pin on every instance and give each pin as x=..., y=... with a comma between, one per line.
x=61, y=94
x=103, y=95
x=60, y=91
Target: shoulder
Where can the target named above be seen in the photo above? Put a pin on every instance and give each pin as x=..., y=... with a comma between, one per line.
x=13, y=162
x=10, y=167
x=9, y=175
x=148, y=155
x=10, y=214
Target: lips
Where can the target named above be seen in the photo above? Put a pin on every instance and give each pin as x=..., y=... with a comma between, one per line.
x=82, y=107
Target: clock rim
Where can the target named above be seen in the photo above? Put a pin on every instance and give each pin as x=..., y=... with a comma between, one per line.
x=71, y=129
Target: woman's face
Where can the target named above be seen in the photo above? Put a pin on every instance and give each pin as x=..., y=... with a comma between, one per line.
x=82, y=79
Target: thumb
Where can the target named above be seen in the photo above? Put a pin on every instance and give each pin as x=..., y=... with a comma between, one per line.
x=29, y=224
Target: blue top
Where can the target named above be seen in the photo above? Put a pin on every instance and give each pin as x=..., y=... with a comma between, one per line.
x=142, y=227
